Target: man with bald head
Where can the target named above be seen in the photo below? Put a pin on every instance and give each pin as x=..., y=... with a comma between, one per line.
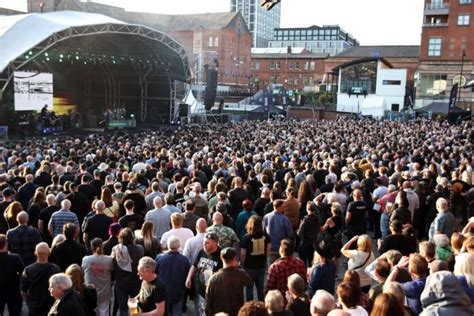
x=356, y=216
x=264, y=199
x=159, y=217
x=45, y=215
x=62, y=217
x=321, y=303
x=236, y=196
x=34, y=282
x=227, y=236
x=444, y=221
x=23, y=239
x=97, y=225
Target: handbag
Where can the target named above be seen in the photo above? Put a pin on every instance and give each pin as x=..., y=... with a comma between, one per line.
x=363, y=264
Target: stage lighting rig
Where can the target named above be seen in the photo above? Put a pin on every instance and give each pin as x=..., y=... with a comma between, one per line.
x=268, y=4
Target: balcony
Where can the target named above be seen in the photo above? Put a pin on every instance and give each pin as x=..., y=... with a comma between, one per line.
x=437, y=9
x=435, y=25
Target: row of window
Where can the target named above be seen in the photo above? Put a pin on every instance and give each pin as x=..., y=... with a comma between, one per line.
x=306, y=32
x=442, y=1
x=435, y=45
x=292, y=64
x=292, y=81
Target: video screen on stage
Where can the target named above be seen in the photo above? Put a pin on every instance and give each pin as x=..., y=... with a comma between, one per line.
x=32, y=90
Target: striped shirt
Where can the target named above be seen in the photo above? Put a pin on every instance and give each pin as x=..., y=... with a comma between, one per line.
x=59, y=218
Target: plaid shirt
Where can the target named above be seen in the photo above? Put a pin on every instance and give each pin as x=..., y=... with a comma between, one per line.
x=22, y=240
x=61, y=217
x=280, y=270
x=54, y=189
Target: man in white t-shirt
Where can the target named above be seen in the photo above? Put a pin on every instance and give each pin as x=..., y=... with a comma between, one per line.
x=177, y=230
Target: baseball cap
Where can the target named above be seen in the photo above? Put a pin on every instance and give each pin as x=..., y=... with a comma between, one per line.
x=7, y=192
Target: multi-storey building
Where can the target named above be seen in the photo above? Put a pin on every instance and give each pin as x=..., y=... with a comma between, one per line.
x=260, y=22
x=447, y=52
x=295, y=69
x=328, y=39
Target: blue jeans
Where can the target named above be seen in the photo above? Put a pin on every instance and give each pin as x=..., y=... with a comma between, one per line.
x=175, y=309
x=257, y=276
x=384, y=224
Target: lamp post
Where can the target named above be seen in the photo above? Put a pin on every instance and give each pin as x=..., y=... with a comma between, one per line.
x=460, y=76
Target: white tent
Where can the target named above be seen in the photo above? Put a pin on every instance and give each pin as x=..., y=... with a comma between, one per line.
x=196, y=108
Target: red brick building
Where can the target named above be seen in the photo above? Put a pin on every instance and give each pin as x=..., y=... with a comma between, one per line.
x=296, y=69
x=447, y=51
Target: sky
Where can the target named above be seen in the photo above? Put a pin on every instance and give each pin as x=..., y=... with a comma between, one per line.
x=371, y=22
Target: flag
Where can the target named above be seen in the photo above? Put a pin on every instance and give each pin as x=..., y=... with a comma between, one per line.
x=453, y=96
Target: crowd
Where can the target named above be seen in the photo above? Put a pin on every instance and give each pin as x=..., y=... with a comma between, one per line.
x=344, y=217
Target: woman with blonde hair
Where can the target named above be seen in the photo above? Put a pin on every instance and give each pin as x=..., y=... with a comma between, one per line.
x=151, y=246
x=11, y=212
x=464, y=271
x=360, y=258
x=87, y=292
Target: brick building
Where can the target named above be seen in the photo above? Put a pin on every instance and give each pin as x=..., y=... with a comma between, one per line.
x=447, y=51
x=399, y=57
x=295, y=68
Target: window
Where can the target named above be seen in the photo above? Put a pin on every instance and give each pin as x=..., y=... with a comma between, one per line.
x=434, y=86
x=392, y=82
x=257, y=65
x=272, y=65
x=463, y=19
x=464, y=1
x=306, y=65
x=252, y=65
x=216, y=41
x=277, y=64
x=434, y=46
x=311, y=65
x=291, y=64
x=211, y=43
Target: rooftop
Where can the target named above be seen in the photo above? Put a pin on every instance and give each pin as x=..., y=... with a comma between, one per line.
x=381, y=51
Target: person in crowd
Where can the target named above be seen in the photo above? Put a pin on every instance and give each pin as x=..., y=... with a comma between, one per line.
x=189, y=218
x=323, y=274
x=134, y=194
x=464, y=271
x=356, y=216
x=87, y=292
x=244, y=217
x=360, y=258
x=150, y=244
x=97, y=225
x=159, y=217
x=112, y=207
x=8, y=198
x=34, y=282
x=444, y=220
x=44, y=217
x=254, y=248
x=131, y=219
x=172, y=269
x=275, y=304
x=206, y=264
x=67, y=300
x=152, y=294
x=98, y=269
x=114, y=230
x=26, y=191
x=11, y=213
x=227, y=236
x=233, y=279
x=387, y=305
x=156, y=192
x=11, y=269
x=253, y=308
x=298, y=300
x=443, y=295
x=282, y=268
x=62, y=217
x=308, y=232
x=37, y=204
x=278, y=227
x=349, y=297
x=126, y=255
x=177, y=230
x=68, y=251
x=396, y=240
x=23, y=239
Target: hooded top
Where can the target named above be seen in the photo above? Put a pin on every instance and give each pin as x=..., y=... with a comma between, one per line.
x=444, y=296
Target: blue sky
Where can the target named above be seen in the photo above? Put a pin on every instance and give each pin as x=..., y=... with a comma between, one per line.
x=372, y=22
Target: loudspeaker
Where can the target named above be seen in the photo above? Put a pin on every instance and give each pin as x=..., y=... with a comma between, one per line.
x=221, y=106
x=183, y=110
x=395, y=107
x=211, y=89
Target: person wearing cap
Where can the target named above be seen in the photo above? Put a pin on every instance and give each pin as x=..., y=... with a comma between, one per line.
x=323, y=274
x=206, y=264
x=233, y=280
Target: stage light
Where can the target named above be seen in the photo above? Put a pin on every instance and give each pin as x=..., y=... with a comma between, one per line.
x=47, y=59
x=60, y=60
x=31, y=53
x=85, y=62
x=132, y=115
x=77, y=57
x=113, y=61
x=26, y=56
x=61, y=55
x=46, y=54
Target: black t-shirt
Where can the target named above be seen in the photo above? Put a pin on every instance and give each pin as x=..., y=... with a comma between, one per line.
x=133, y=221
x=256, y=251
x=151, y=293
x=207, y=265
x=396, y=242
x=11, y=267
x=98, y=226
x=358, y=210
x=3, y=221
x=45, y=215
